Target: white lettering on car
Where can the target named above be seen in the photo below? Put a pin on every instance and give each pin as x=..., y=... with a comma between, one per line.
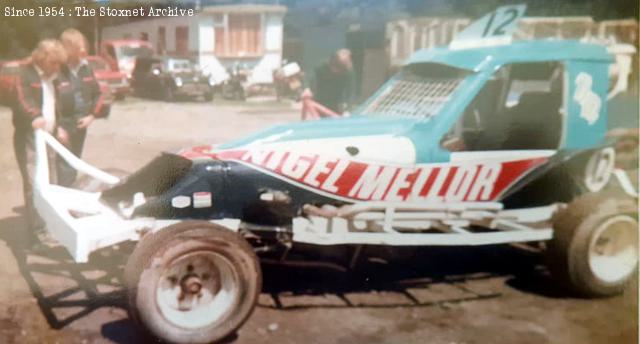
x=255, y=156
x=419, y=184
x=485, y=182
x=373, y=182
x=295, y=166
x=434, y=191
x=362, y=181
x=589, y=101
x=399, y=183
x=275, y=159
x=461, y=182
x=319, y=168
x=330, y=183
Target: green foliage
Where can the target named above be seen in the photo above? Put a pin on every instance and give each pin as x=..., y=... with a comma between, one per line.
x=21, y=34
x=599, y=9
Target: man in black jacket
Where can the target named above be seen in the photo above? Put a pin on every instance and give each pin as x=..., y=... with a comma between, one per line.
x=81, y=100
x=332, y=83
x=35, y=107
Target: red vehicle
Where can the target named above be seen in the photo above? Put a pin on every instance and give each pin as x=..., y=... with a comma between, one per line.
x=121, y=54
x=8, y=75
x=116, y=80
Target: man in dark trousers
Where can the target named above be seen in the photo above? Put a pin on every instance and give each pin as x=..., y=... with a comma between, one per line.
x=332, y=82
x=36, y=107
x=81, y=100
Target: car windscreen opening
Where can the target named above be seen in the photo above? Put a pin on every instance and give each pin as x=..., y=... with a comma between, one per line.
x=419, y=90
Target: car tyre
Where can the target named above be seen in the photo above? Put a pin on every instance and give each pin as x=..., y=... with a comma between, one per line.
x=594, y=252
x=208, y=96
x=193, y=282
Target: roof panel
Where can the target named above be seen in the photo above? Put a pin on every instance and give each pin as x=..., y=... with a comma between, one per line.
x=477, y=59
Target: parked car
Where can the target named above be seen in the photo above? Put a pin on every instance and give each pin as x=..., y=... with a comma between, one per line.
x=115, y=80
x=121, y=54
x=9, y=71
x=170, y=77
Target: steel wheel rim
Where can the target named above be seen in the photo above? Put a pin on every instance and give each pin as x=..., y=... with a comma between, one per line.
x=197, y=290
x=613, y=250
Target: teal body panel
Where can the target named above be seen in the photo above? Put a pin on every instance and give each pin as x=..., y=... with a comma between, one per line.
x=426, y=133
x=328, y=128
x=485, y=58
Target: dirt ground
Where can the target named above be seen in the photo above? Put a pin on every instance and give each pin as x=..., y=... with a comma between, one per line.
x=484, y=295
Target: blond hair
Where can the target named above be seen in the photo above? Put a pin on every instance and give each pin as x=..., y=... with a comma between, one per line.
x=73, y=38
x=49, y=50
x=341, y=59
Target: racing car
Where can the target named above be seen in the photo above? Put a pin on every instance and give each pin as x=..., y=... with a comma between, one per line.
x=494, y=143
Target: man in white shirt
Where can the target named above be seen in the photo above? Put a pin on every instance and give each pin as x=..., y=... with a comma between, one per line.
x=48, y=99
x=35, y=108
x=80, y=98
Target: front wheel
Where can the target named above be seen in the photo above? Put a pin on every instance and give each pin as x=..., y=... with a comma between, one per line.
x=194, y=282
x=594, y=251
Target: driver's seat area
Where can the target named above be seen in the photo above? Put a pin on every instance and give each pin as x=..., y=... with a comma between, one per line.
x=535, y=122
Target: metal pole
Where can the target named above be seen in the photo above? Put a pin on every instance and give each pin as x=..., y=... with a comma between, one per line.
x=96, y=35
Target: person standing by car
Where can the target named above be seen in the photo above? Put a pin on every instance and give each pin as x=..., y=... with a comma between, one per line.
x=36, y=107
x=332, y=84
x=81, y=100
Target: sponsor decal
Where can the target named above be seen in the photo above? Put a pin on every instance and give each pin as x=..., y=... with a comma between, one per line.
x=599, y=168
x=588, y=100
x=181, y=202
x=202, y=199
x=349, y=179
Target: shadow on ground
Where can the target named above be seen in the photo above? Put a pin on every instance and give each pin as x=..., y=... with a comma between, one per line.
x=66, y=291
x=457, y=268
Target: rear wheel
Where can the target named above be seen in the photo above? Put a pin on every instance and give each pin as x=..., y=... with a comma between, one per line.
x=594, y=251
x=194, y=282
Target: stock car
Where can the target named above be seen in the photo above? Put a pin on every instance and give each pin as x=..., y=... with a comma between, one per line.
x=170, y=77
x=492, y=143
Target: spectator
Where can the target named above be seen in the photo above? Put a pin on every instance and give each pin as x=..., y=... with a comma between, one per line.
x=333, y=82
x=36, y=108
x=80, y=99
